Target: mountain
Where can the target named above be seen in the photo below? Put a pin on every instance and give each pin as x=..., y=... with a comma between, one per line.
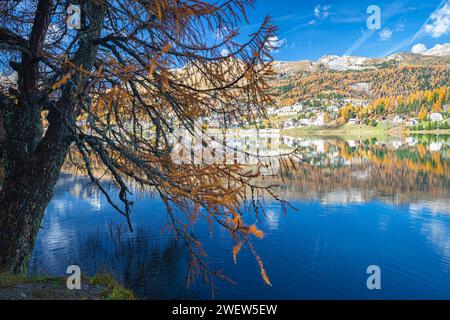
x=346, y=63
x=361, y=77
x=332, y=62
x=439, y=50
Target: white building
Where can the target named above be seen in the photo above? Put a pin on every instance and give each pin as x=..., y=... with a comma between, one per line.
x=320, y=120
x=271, y=111
x=298, y=107
x=285, y=111
x=435, y=146
x=289, y=110
x=397, y=120
x=305, y=122
x=288, y=124
x=411, y=141
x=332, y=108
x=436, y=116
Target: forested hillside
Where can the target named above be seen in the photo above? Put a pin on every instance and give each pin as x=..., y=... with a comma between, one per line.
x=297, y=81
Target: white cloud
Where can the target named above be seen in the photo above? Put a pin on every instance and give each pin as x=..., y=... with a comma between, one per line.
x=317, y=11
x=399, y=27
x=386, y=34
x=422, y=29
x=224, y=52
x=440, y=22
x=275, y=43
x=419, y=48
x=221, y=33
x=321, y=12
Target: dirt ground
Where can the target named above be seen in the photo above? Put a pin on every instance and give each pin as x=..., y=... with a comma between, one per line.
x=50, y=290
x=13, y=287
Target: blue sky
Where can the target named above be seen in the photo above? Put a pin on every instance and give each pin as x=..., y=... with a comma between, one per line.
x=310, y=29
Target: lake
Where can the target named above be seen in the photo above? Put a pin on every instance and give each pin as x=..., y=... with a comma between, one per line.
x=356, y=202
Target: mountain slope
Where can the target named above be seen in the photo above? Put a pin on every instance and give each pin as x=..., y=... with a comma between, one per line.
x=361, y=77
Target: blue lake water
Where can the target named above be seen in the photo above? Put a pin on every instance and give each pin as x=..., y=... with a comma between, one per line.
x=359, y=203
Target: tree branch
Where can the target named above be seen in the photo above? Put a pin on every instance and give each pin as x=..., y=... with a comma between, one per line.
x=11, y=41
x=40, y=26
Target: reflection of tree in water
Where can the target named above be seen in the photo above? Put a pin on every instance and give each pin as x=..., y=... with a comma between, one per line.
x=142, y=261
x=364, y=169
x=392, y=168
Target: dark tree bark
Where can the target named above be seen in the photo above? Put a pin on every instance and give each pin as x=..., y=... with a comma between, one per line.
x=2, y=139
x=31, y=161
x=26, y=194
x=26, y=187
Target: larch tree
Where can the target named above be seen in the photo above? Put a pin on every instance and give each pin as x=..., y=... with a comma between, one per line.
x=84, y=95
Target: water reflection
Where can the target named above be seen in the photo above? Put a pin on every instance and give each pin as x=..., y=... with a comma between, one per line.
x=361, y=201
x=99, y=241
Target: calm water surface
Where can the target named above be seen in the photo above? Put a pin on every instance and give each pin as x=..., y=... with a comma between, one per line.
x=382, y=201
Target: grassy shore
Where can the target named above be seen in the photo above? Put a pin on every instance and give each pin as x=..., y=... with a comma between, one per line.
x=436, y=131
x=347, y=129
x=100, y=287
x=355, y=130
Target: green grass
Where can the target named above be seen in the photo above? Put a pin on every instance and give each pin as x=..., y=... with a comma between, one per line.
x=344, y=130
x=113, y=289
x=8, y=280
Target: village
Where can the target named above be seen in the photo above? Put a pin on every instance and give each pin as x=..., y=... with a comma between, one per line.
x=325, y=113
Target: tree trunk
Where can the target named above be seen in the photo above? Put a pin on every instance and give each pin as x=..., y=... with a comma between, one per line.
x=26, y=193
x=31, y=162
x=2, y=142
x=22, y=209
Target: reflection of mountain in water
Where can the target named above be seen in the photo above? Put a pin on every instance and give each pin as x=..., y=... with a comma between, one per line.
x=332, y=170
x=361, y=170
x=359, y=200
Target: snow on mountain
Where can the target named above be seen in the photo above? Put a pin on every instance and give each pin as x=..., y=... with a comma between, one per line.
x=343, y=63
x=439, y=50
x=354, y=63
